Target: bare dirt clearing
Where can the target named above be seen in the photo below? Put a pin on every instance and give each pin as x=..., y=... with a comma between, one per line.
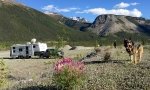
x=4, y=54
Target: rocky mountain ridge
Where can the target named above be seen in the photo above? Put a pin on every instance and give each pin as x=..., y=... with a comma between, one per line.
x=108, y=24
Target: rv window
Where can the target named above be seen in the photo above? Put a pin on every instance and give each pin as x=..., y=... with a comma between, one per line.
x=27, y=48
x=14, y=51
x=13, y=47
x=34, y=46
x=20, y=49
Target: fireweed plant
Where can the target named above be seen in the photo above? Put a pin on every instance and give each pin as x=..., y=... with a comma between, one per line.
x=68, y=74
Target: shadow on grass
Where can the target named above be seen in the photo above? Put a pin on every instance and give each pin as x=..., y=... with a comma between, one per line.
x=39, y=88
x=120, y=61
x=110, y=61
x=94, y=62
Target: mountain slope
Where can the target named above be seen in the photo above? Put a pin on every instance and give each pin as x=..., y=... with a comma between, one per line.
x=110, y=24
x=79, y=24
x=21, y=23
x=142, y=23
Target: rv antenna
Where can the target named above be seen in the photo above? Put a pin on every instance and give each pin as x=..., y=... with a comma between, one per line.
x=33, y=40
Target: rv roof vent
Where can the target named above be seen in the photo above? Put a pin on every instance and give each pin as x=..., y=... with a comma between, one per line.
x=33, y=40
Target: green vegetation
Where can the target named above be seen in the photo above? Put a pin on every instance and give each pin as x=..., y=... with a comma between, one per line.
x=107, y=56
x=77, y=25
x=68, y=74
x=120, y=36
x=3, y=73
x=20, y=23
x=106, y=40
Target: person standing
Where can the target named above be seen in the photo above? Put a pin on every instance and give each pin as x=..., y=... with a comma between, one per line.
x=115, y=44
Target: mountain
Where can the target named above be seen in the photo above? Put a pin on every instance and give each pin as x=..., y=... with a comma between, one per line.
x=107, y=24
x=77, y=23
x=110, y=24
x=22, y=23
x=111, y=27
x=79, y=19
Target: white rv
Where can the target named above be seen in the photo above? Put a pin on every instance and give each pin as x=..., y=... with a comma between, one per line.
x=27, y=50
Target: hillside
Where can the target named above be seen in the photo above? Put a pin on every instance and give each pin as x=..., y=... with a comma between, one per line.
x=110, y=24
x=107, y=24
x=21, y=23
x=111, y=27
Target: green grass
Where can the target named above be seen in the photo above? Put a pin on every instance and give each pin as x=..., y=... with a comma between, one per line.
x=120, y=36
x=3, y=74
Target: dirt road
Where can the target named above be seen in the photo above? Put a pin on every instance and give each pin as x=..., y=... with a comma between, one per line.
x=4, y=54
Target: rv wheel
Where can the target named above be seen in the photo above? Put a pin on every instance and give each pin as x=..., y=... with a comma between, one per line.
x=28, y=57
x=41, y=56
x=47, y=56
x=20, y=57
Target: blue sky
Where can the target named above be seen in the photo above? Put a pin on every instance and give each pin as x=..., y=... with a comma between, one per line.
x=90, y=9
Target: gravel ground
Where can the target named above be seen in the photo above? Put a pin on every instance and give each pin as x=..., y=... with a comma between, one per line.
x=119, y=72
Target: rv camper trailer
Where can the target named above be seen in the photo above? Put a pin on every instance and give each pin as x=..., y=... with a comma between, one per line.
x=27, y=50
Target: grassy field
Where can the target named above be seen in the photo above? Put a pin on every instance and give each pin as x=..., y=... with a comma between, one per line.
x=117, y=74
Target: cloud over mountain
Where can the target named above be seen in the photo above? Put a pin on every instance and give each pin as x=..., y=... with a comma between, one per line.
x=52, y=8
x=99, y=11
x=118, y=9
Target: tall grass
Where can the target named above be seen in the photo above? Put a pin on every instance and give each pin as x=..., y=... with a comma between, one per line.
x=3, y=73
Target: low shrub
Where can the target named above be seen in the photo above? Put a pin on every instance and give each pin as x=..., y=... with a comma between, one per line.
x=97, y=50
x=68, y=74
x=107, y=56
x=3, y=73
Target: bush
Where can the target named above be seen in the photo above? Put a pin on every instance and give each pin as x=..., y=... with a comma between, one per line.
x=107, y=56
x=97, y=50
x=3, y=73
x=68, y=74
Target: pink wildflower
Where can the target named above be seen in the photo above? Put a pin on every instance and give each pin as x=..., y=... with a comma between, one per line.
x=68, y=70
x=70, y=64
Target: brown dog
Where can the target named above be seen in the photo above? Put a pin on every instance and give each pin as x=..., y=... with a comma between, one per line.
x=135, y=51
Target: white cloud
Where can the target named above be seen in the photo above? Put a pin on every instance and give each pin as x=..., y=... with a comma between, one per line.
x=125, y=5
x=99, y=11
x=62, y=10
x=135, y=3
x=52, y=8
x=74, y=8
x=48, y=7
x=122, y=5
